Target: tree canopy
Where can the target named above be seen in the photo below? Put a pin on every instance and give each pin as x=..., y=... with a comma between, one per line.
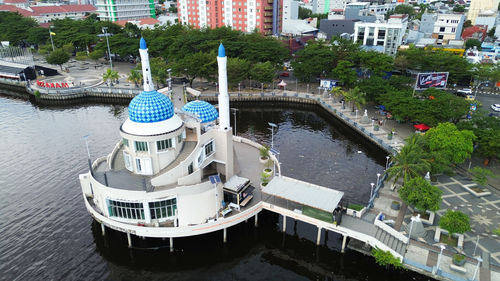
x=452, y=144
x=455, y=222
x=57, y=57
x=15, y=28
x=420, y=193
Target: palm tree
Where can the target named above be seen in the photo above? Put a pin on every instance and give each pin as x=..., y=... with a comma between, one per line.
x=110, y=75
x=410, y=162
x=356, y=97
x=135, y=77
x=337, y=92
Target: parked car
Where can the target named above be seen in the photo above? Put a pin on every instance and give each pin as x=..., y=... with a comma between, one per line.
x=463, y=92
x=285, y=74
x=496, y=107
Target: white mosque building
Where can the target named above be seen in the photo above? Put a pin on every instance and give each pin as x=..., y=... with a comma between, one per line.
x=175, y=173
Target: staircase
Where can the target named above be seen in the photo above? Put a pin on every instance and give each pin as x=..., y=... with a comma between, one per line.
x=391, y=241
x=187, y=148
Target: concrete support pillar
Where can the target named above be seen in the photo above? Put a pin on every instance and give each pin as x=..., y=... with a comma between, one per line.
x=129, y=238
x=256, y=219
x=103, y=229
x=284, y=223
x=318, y=239
x=171, y=244
x=344, y=240
x=224, y=239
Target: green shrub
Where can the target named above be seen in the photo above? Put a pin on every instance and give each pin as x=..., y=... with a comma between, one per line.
x=385, y=258
x=455, y=222
x=356, y=207
x=37, y=93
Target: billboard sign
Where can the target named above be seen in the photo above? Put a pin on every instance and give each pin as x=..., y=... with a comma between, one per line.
x=432, y=80
x=328, y=84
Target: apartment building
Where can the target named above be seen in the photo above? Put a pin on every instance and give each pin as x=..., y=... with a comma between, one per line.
x=244, y=15
x=478, y=6
x=384, y=37
x=125, y=9
x=448, y=27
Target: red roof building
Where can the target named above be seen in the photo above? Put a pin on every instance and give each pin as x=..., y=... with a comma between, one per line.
x=141, y=23
x=47, y=13
x=14, y=9
x=475, y=32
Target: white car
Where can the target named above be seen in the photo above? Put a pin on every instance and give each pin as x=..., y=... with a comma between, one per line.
x=495, y=107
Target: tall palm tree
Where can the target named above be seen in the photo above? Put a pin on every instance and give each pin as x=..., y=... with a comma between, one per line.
x=410, y=162
x=337, y=92
x=110, y=75
x=135, y=77
x=356, y=97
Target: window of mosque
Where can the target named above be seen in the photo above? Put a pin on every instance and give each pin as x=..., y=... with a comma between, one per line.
x=126, y=210
x=179, y=138
x=125, y=142
x=163, y=209
x=164, y=144
x=209, y=148
x=141, y=146
x=190, y=168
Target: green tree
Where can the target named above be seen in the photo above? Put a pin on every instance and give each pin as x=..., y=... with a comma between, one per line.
x=492, y=31
x=81, y=56
x=454, y=222
x=471, y=43
x=345, y=73
x=356, y=97
x=376, y=63
x=237, y=70
x=263, y=72
x=385, y=258
x=110, y=75
x=408, y=163
x=313, y=61
x=374, y=87
x=57, y=57
x=135, y=77
x=405, y=9
x=467, y=23
x=195, y=65
x=421, y=194
x=453, y=145
x=480, y=175
x=487, y=130
x=304, y=13
x=15, y=27
x=38, y=35
x=459, y=9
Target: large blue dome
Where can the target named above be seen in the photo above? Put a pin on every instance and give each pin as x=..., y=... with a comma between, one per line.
x=149, y=107
x=205, y=111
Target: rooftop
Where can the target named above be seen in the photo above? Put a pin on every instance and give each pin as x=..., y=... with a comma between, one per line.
x=39, y=10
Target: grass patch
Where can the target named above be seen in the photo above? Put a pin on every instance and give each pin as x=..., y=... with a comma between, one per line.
x=497, y=231
x=356, y=207
x=317, y=214
x=452, y=241
x=477, y=189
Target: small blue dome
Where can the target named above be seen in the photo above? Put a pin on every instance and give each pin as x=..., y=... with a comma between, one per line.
x=205, y=111
x=149, y=107
x=222, y=51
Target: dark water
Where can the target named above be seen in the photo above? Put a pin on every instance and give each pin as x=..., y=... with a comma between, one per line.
x=46, y=233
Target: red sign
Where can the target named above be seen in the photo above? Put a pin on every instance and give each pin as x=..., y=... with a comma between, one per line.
x=52, y=85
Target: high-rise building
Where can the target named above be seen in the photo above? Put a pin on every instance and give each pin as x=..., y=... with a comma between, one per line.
x=478, y=6
x=244, y=15
x=113, y=10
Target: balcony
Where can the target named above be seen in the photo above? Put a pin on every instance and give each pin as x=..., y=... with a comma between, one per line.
x=268, y=8
x=268, y=26
x=270, y=1
x=268, y=20
x=267, y=14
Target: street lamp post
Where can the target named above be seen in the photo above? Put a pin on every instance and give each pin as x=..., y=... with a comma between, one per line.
x=475, y=248
x=272, y=132
x=378, y=179
x=105, y=33
x=479, y=260
x=413, y=219
x=307, y=88
x=371, y=190
x=262, y=87
x=169, y=78
x=51, y=41
x=436, y=269
x=387, y=162
x=239, y=89
x=296, y=85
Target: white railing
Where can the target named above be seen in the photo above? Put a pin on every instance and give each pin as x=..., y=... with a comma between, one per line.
x=396, y=234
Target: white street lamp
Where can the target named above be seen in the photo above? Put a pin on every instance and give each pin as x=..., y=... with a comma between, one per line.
x=436, y=269
x=239, y=89
x=378, y=179
x=106, y=34
x=371, y=190
x=479, y=260
x=387, y=162
x=51, y=41
x=234, y=110
x=272, y=132
x=413, y=219
x=475, y=248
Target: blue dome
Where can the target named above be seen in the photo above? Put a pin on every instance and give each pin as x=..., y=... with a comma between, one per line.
x=149, y=107
x=205, y=111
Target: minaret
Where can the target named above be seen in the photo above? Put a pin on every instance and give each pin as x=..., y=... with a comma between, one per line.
x=223, y=95
x=146, y=70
